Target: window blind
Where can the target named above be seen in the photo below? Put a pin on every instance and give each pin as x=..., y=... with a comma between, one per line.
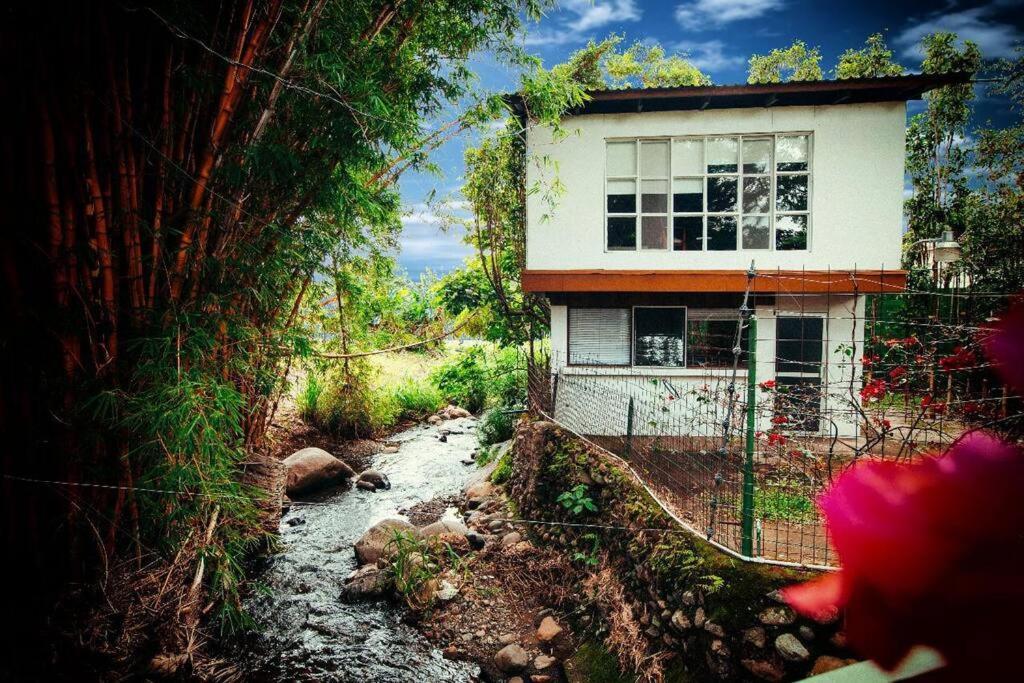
x=599, y=336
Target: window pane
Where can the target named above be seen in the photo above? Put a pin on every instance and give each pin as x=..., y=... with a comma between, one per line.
x=688, y=157
x=791, y=153
x=687, y=233
x=688, y=195
x=756, y=232
x=756, y=155
x=658, y=338
x=655, y=196
x=621, y=196
x=791, y=193
x=756, y=190
x=709, y=341
x=799, y=399
x=722, y=194
x=798, y=345
x=599, y=336
x=621, y=233
x=654, y=232
x=721, y=233
x=791, y=232
x=654, y=159
x=723, y=155
x=621, y=158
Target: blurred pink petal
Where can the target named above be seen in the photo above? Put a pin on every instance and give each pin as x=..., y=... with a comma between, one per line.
x=1005, y=346
x=931, y=554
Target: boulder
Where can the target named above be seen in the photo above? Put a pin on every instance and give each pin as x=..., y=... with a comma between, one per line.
x=483, y=489
x=434, y=419
x=511, y=658
x=313, y=468
x=378, y=479
x=790, y=647
x=455, y=412
x=366, y=486
x=443, y=526
x=369, y=581
x=511, y=538
x=543, y=661
x=377, y=543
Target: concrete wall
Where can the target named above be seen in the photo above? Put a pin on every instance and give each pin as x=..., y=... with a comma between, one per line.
x=857, y=154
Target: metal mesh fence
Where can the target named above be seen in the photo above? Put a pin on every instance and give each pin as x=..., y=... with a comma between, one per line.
x=739, y=444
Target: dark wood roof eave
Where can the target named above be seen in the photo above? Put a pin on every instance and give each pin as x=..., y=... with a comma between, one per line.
x=797, y=93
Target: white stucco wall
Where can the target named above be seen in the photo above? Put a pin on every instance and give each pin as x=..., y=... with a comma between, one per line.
x=856, y=187
x=594, y=400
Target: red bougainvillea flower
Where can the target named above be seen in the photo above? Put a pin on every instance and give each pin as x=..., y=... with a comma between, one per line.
x=1005, y=346
x=767, y=385
x=897, y=372
x=961, y=358
x=873, y=390
x=776, y=439
x=931, y=555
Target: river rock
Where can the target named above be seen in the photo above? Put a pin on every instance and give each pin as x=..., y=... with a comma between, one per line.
x=312, y=468
x=443, y=526
x=548, y=630
x=366, y=486
x=543, y=661
x=511, y=658
x=511, y=538
x=777, y=616
x=369, y=581
x=377, y=542
x=390, y=448
x=680, y=621
x=765, y=669
x=454, y=412
x=378, y=479
x=790, y=647
x=756, y=636
x=434, y=419
x=482, y=489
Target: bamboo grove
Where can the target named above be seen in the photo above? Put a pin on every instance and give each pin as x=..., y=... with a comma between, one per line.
x=176, y=174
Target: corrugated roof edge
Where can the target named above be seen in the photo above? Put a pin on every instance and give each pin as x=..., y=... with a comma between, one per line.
x=793, y=93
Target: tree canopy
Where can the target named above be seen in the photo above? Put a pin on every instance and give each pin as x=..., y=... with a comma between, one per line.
x=794, y=63
x=874, y=60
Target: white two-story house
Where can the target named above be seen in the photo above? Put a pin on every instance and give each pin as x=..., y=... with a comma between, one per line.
x=670, y=195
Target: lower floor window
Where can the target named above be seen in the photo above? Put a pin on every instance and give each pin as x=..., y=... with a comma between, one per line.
x=652, y=336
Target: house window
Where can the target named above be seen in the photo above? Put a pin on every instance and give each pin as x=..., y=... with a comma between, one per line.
x=747, y=192
x=710, y=337
x=599, y=336
x=659, y=336
x=653, y=336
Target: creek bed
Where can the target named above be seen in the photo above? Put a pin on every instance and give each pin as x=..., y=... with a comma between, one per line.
x=303, y=631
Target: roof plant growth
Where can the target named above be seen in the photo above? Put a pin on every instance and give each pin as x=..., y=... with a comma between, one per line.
x=183, y=170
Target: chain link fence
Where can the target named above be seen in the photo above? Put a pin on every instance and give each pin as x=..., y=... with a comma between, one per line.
x=739, y=451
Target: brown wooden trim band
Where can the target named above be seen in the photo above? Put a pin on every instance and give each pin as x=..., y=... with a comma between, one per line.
x=767, y=281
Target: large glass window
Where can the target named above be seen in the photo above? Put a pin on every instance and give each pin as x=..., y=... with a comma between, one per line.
x=710, y=337
x=599, y=336
x=659, y=336
x=715, y=193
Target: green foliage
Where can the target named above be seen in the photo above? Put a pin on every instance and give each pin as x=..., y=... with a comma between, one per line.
x=415, y=562
x=577, y=500
x=503, y=470
x=463, y=379
x=351, y=406
x=590, y=558
x=783, y=501
x=871, y=61
x=308, y=398
x=646, y=65
x=496, y=425
x=415, y=399
x=794, y=63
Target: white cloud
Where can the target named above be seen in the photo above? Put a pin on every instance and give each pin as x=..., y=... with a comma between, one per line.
x=577, y=18
x=710, y=55
x=698, y=14
x=980, y=24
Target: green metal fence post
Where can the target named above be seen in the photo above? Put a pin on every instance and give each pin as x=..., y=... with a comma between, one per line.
x=629, y=428
x=748, y=464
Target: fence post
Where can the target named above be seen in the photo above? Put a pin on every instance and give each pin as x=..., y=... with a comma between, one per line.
x=748, y=464
x=629, y=429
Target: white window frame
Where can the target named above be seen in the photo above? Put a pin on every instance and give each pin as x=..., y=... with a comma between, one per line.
x=773, y=213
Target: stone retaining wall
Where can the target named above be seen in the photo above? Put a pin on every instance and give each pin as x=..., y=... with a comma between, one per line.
x=692, y=606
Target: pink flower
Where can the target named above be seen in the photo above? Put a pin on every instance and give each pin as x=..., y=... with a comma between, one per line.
x=1005, y=346
x=931, y=554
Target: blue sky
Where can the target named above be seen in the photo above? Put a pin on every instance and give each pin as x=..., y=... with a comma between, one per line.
x=718, y=36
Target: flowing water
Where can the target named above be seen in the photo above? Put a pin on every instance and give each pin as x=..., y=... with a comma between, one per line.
x=303, y=630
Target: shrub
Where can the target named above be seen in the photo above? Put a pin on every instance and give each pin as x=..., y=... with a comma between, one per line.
x=497, y=425
x=416, y=399
x=308, y=398
x=463, y=379
x=351, y=407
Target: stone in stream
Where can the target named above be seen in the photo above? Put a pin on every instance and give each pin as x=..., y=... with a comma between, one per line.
x=548, y=630
x=378, y=479
x=511, y=538
x=366, y=486
x=511, y=658
x=369, y=581
x=543, y=661
x=790, y=647
x=312, y=468
x=443, y=526
x=378, y=542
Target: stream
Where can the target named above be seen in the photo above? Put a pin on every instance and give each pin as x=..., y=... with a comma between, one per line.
x=303, y=631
